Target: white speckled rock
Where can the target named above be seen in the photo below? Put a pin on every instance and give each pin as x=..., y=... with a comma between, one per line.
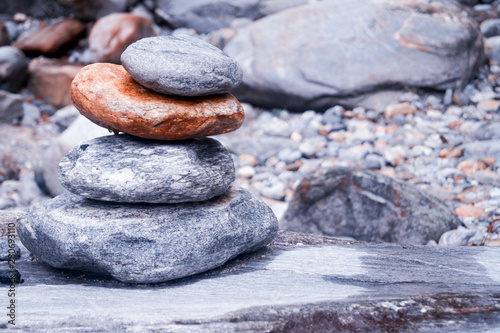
x=124, y=168
x=181, y=65
x=146, y=243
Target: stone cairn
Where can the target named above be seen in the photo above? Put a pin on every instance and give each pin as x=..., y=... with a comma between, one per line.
x=156, y=203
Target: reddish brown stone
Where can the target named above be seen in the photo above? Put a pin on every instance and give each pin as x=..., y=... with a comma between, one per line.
x=401, y=108
x=109, y=96
x=471, y=211
x=50, y=80
x=53, y=39
x=453, y=152
x=112, y=34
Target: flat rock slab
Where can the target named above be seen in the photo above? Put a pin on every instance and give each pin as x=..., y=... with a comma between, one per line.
x=146, y=243
x=300, y=283
x=124, y=168
x=111, y=98
x=182, y=65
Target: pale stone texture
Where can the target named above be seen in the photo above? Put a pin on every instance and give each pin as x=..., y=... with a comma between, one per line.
x=123, y=168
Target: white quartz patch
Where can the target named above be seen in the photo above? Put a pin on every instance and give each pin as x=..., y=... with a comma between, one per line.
x=491, y=263
x=321, y=260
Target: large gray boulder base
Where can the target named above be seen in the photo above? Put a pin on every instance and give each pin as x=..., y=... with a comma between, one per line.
x=13, y=68
x=366, y=206
x=146, y=243
x=125, y=168
x=358, y=52
x=182, y=65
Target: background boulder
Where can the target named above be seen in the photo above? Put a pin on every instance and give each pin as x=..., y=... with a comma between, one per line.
x=354, y=53
x=367, y=206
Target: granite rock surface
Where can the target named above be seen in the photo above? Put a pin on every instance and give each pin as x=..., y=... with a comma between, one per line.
x=146, y=243
x=124, y=168
x=111, y=98
x=182, y=65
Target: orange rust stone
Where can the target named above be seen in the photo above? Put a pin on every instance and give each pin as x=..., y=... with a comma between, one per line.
x=489, y=105
x=490, y=160
x=400, y=108
x=471, y=211
x=471, y=165
x=456, y=123
x=108, y=96
x=451, y=152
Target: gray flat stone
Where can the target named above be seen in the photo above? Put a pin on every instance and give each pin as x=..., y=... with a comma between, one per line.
x=124, y=168
x=299, y=283
x=181, y=65
x=146, y=243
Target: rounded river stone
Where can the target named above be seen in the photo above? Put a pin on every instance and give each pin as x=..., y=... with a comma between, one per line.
x=181, y=65
x=146, y=243
x=124, y=168
x=108, y=96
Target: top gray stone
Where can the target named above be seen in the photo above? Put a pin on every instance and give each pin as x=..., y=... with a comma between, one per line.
x=181, y=65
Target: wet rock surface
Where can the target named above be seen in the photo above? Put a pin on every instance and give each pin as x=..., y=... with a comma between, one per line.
x=122, y=168
x=184, y=66
x=111, y=98
x=141, y=243
x=366, y=206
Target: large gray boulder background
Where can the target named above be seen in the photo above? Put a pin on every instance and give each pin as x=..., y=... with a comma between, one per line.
x=146, y=243
x=358, y=52
x=366, y=206
x=205, y=16
x=124, y=168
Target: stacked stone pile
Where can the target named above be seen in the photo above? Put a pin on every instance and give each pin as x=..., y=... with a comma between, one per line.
x=156, y=203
